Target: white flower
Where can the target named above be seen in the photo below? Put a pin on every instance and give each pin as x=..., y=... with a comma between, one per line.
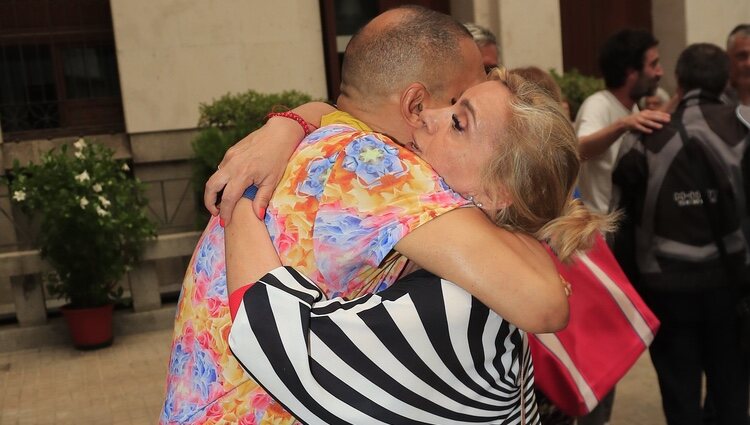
x=84, y=176
x=125, y=167
x=104, y=201
x=101, y=211
x=97, y=188
x=83, y=201
x=79, y=154
x=19, y=196
x=79, y=144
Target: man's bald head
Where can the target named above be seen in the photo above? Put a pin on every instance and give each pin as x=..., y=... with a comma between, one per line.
x=401, y=46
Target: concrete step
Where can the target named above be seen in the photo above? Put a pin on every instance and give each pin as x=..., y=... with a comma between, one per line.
x=55, y=331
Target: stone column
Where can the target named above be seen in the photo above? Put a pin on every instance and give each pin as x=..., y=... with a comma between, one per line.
x=144, y=287
x=28, y=296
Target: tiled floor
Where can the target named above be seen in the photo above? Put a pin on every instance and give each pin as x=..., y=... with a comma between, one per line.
x=124, y=384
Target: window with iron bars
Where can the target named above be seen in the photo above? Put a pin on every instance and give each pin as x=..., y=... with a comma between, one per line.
x=58, y=69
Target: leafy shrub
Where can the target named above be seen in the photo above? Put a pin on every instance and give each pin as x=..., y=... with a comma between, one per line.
x=227, y=120
x=93, y=219
x=576, y=87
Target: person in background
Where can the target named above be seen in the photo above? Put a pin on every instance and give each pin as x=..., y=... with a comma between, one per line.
x=487, y=43
x=738, y=49
x=667, y=243
x=544, y=80
x=629, y=62
x=655, y=102
x=548, y=412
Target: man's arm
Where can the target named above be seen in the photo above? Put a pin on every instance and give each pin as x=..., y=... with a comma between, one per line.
x=591, y=145
x=629, y=178
x=390, y=347
x=260, y=159
x=509, y=272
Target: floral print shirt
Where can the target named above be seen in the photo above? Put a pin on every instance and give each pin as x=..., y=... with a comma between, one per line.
x=346, y=198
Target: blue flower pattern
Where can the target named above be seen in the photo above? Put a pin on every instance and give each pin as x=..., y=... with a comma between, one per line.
x=371, y=159
x=317, y=174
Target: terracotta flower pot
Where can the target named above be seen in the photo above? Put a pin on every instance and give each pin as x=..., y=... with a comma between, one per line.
x=90, y=328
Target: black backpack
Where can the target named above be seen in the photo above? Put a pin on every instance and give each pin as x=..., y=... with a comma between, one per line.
x=674, y=230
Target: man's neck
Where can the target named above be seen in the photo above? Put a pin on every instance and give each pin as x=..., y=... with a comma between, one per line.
x=380, y=118
x=623, y=95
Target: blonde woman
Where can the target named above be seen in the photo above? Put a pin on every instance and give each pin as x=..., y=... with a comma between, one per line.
x=531, y=167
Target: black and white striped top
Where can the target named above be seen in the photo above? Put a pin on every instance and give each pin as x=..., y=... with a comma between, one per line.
x=423, y=351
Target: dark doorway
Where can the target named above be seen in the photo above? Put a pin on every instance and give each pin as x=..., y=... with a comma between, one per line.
x=587, y=23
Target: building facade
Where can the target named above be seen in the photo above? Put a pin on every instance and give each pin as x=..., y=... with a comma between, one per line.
x=132, y=73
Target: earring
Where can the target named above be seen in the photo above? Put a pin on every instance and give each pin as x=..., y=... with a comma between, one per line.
x=476, y=203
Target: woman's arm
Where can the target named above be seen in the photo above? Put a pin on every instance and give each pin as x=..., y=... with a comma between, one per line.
x=509, y=272
x=249, y=251
x=260, y=159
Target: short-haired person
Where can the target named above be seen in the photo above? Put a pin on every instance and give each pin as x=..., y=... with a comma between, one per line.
x=629, y=62
x=384, y=198
x=668, y=242
x=738, y=49
x=487, y=43
x=541, y=78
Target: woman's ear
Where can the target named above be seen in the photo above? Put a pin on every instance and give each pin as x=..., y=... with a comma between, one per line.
x=501, y=200
x=412, y=103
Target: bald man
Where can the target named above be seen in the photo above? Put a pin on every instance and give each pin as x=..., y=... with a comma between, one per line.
x=404, y=60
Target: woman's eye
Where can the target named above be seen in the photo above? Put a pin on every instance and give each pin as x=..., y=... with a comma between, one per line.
x=456, y=123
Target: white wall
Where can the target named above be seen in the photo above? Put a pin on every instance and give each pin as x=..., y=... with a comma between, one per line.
x=529, y=32
x=174, y=54
x=709, y=21
x=679, y=23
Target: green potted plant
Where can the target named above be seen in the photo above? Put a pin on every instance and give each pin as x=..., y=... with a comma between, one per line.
x=226, y=120
x=92, y=229
x=576, y=87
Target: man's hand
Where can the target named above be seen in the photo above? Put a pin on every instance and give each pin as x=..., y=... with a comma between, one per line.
x=259, y=159
x=645, y=121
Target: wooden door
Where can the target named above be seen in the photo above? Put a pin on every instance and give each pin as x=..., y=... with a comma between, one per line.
x=586, y=24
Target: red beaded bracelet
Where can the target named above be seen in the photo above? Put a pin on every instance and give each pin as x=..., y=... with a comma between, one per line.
x=292, y=116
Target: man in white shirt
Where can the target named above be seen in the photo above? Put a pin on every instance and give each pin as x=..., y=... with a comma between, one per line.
x=629, y=62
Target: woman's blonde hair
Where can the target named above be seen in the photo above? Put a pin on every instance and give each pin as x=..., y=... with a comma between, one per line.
x=536, y=164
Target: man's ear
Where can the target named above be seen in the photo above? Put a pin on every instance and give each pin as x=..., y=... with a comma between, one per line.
x=631, y=76
x=412, y=103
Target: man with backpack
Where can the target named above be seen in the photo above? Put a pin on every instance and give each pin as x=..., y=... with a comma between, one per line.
x=683, y=192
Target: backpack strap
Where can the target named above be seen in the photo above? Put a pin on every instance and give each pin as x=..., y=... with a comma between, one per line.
x=705, y=175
